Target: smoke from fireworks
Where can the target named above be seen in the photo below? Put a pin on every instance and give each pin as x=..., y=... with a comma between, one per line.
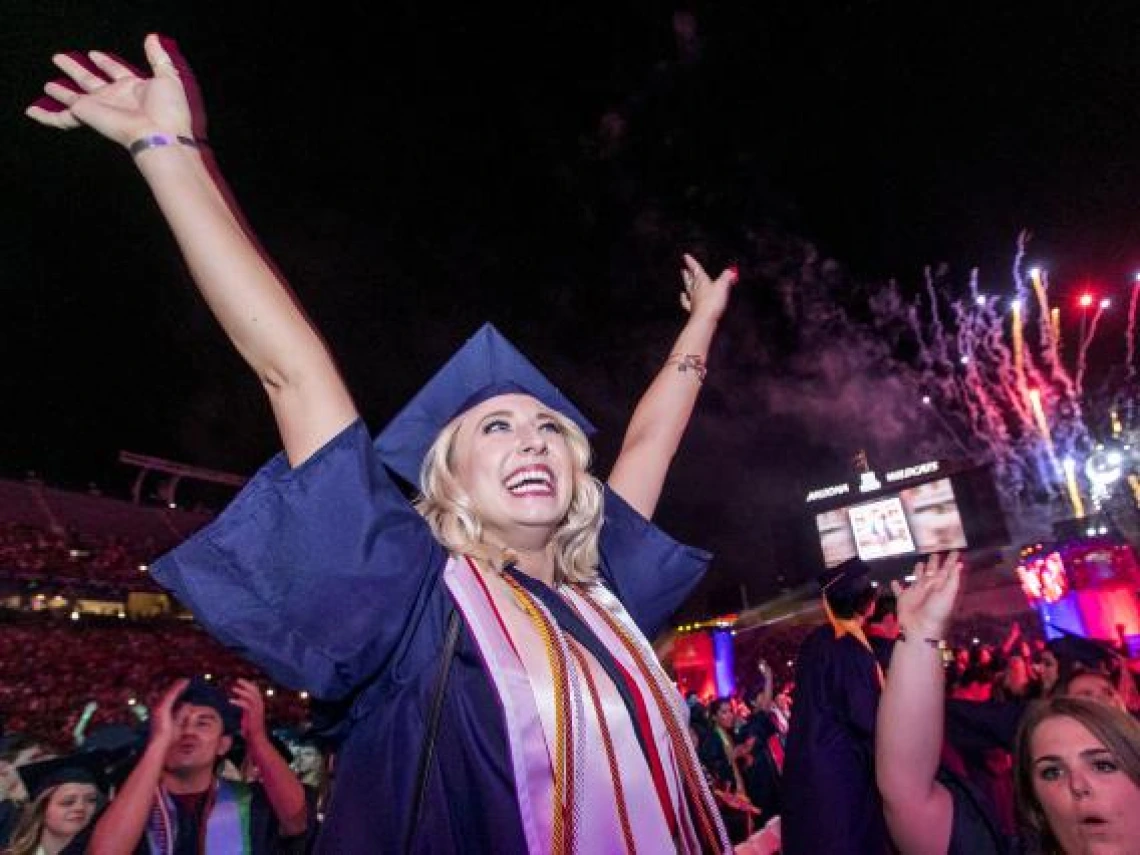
x=1004, y=393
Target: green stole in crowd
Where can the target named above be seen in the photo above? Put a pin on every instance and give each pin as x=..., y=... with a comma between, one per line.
x=226, y=820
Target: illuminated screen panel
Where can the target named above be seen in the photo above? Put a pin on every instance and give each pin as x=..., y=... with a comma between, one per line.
x=935, y=521
x=880, y=529
x=835, y=537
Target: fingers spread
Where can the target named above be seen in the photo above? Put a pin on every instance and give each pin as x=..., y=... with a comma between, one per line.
x=85, y=78
x=161, y=60
x=61, y=92
x=173, y=693
x=694, y=266
x=47, y=113
x=112, y=66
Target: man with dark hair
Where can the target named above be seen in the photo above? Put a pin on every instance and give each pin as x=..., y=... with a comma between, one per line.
x=830, y=801
x=175, y=802
x=882, y=628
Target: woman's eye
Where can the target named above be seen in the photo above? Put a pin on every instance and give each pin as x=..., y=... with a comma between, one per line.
x=1049, y=773
x=1105, y=766
x=550, y=427
x=496, y=425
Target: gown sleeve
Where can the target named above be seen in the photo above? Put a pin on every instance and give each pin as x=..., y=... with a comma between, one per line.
x=316, y=573
x=647, y=570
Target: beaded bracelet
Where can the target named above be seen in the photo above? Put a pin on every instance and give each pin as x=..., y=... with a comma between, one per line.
x=161, y=140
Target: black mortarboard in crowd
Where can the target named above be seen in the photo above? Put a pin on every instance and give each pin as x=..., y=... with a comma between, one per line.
x=846, y=579
x=202, y=693
x=85, y=767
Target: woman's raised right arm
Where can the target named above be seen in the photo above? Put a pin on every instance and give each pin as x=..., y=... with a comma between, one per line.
x=157, y=117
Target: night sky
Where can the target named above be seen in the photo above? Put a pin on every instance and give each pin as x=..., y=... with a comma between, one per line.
x=417, y=169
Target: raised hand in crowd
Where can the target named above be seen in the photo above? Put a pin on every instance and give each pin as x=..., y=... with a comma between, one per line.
x=283, y=788
x=908, y=736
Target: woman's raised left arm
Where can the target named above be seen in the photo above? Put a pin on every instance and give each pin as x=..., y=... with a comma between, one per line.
x=663, y=413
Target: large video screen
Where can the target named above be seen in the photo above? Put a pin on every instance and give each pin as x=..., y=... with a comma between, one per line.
x=934, y=517
x=918, y=520
x=880, y=529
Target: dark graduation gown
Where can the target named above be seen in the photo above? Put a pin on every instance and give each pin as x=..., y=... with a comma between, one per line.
x=830, y=801
x=327, y=578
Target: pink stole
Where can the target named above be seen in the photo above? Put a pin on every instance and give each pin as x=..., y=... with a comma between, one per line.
x=518, y=667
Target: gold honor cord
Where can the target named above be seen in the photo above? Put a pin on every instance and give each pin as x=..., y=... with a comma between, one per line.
x=608, y=744
x=562, y=833
x=706, y=811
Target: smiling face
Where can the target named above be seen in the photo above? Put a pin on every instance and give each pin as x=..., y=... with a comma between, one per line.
x=1091, y=805
x=69, y=809
x=513, y=463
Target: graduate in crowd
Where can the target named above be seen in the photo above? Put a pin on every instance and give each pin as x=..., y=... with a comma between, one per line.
x=488, y=645
x=175, y=800
x=830, y=803
x=64, y=794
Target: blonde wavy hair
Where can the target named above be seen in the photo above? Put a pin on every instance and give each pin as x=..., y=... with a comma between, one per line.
x=455, y=522
x=30, y=824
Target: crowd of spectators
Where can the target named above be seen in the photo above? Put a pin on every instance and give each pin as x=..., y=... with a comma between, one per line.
x=69, y=563
x=66, y=673
x=994, y=668
x=52, y=666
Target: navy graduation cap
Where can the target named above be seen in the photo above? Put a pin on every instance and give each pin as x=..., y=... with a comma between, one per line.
x=85, y=767
x=201, y=693
x=846, y=579
x=485, y=366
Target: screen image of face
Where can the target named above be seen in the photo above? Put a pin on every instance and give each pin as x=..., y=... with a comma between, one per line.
x=835, y=537
x=880, y=529
x=932, y=512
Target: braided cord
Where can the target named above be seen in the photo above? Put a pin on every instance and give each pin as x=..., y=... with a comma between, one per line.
x=562, y=834
x=708, y=816
x=608, y=745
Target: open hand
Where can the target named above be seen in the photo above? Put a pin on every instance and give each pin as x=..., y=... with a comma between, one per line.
x=247, y=697
x=118, y=101
x=162, y=726
x=926, y=606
